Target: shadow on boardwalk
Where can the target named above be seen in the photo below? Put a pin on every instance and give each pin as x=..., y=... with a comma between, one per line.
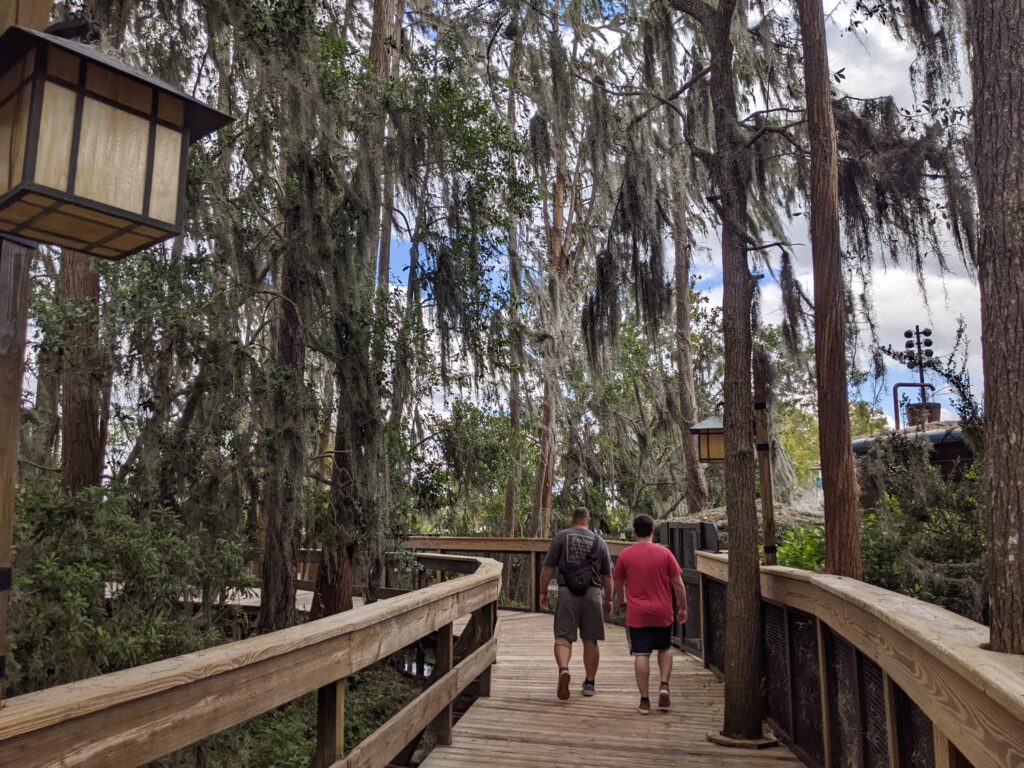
x=523, y=724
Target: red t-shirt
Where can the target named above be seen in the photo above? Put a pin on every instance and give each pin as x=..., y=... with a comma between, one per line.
x=647, y=569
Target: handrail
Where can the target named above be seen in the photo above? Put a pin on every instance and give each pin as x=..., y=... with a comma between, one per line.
x=973, y=697
x=494, y=544
x=137, y=715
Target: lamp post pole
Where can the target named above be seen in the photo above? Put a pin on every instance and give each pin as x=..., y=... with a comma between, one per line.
x=764, y=455
x=15, y=265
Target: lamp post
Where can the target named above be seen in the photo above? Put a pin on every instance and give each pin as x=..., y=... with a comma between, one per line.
x=919, y=350
x=93, y=157
x=710, y=437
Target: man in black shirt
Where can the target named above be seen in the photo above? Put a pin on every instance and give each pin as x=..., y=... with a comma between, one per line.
x=579, y=558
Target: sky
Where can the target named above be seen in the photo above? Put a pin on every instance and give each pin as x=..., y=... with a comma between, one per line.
x=876, y=64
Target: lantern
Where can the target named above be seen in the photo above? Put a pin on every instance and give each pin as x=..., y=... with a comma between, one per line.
x=710, y=435
x=92, y=154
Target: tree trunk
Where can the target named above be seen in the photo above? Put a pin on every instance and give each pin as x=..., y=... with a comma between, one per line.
x=81, y=445
x=696, y=483
x=996, y=39
x=518, y=355
x=732, y=169
x=286, y=457
x=842, y=506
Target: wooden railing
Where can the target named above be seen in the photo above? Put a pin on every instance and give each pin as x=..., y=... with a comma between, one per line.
x=857, y=675
x=131, y=717
x=531, y=551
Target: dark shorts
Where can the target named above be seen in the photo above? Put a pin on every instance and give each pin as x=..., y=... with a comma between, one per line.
x=580, y=613
x=645, y=640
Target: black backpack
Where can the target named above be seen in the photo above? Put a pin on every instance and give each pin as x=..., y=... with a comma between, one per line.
x=580, y=576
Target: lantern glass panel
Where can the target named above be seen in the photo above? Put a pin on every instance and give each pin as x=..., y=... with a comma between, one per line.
x=92, y=154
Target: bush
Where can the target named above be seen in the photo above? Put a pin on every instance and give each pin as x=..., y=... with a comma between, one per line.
x=70, y=551
x=803, y=548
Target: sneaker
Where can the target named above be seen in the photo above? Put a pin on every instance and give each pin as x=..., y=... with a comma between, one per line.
x=563, y=684
x=588, y=688
x=645, y=707
x=663, y=699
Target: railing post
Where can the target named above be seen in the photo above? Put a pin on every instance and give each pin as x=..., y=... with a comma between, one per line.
x=826, y=730
x=443, y=665
x=890, y=721
x=489, y=620
x=705, y=630
x=534, y=591
x=330, y=724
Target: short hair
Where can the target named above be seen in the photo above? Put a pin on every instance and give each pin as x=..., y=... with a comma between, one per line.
x=643, y=526
x=580, y=514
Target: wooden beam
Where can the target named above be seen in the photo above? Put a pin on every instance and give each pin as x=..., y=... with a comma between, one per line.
x=493, y=544
x=442, y=666
x=826, y=728
x=131, y=717
x=15, y=265
x=380, y=747
x=34, y=14
x=936, y=657
x=891, y=733
x=330, y=724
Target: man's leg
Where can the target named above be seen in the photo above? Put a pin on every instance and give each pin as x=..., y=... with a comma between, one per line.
x=563, y=652
x=665, y=654
x=591, y=658
x=642, y=667
x=665, y=665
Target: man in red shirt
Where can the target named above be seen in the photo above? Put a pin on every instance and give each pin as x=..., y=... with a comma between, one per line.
x=646, y=575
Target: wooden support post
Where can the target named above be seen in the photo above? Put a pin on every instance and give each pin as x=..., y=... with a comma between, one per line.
x=764, y=455
x=488, y=617
x=15, y=264
x=892, y=736
x=946, y=753
x=443, y=664
x=826, y=729
x=534, y=591
x=704, y=629
x=330, y=724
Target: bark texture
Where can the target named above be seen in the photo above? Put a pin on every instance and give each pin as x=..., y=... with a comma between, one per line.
x=996, y=38
x=731, y=173
x=81, y=444
x=842, y=507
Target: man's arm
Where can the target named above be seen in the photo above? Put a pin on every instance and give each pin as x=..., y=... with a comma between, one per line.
x=681, y=606
x=609, y=588
x=547, y=572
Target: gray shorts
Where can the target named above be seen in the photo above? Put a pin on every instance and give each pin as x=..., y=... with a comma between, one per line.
x=584, y=613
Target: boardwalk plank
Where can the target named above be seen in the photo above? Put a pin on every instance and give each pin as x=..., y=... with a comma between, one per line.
x=523, y=724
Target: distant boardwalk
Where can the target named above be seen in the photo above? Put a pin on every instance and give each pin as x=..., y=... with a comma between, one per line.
x=523, y=724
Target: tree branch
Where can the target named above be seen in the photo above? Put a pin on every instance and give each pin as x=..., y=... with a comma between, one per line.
x=697, y=9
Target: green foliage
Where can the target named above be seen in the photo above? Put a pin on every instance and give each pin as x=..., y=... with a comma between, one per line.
x=68, y=550
x=803, y=548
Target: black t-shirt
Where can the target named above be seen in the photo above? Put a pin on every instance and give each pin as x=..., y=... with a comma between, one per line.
x=572, y=547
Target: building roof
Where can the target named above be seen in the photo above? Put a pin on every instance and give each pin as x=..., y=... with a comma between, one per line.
x=936, y=433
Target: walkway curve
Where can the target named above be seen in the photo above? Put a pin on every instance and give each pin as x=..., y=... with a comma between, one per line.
x=523, y=724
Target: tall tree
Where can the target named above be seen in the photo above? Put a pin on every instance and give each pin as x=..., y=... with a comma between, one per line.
x=842, y=504
x=731, y=171
x=82, y=447
x=996, y=38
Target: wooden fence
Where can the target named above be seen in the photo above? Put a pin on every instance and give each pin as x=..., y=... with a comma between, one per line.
x=856, y=675
x=521, y=558
x=128, y=718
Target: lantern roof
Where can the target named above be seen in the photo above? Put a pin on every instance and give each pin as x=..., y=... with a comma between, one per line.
x=200, y=119
x=709, y=424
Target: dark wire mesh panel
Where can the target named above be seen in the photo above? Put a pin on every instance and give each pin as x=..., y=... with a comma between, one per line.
x=843, y=702
x=714, y=655
x=805, y=687
x=914, y=732
x=515, y=578
x=777, y=670
x=875, y=726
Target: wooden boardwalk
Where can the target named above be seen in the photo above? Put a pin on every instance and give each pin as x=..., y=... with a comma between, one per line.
x=523, y=724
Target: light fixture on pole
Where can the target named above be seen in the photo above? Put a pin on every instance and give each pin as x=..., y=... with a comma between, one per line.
x=710, y=437
x=92, y=154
